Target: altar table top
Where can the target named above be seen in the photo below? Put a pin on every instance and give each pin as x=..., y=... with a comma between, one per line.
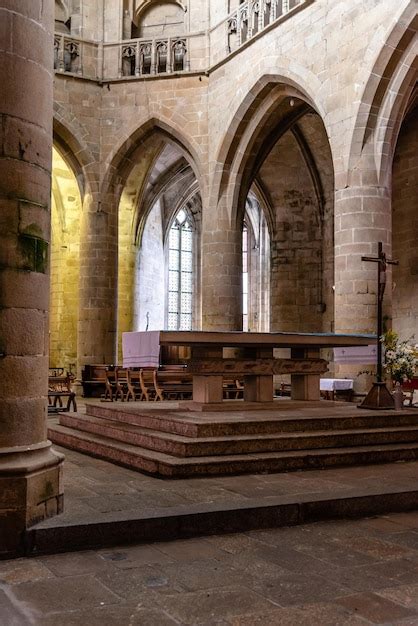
x=271, y=340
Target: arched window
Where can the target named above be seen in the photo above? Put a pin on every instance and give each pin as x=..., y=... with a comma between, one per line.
x=255, y=268
x=180, y=273
x=245, y=278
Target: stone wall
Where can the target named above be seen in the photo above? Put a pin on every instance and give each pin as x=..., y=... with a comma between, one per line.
x=328, y=67
x=65, y=251
x=150, y=283
x=405, y=230
x=296, y=247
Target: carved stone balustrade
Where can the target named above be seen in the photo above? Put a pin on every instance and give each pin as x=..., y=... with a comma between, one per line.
x=252, y=16
x=165, y=55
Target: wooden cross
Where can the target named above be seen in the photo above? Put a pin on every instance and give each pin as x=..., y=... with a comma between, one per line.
x=383, y=262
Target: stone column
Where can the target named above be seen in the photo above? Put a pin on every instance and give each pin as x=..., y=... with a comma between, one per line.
x=362, y=219
x=96, y=337
x=30, y=472
x=221, y=274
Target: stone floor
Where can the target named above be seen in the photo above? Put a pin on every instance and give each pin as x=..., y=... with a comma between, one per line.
x=97, y=488
x=326, y=574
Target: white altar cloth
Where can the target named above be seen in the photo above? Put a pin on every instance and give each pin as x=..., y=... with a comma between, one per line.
x=336, y=384
x=356, y=355
x=141, y=349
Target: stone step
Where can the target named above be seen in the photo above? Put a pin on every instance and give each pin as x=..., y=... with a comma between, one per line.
x=191, y=424
x=180, y=446
x=164, y=465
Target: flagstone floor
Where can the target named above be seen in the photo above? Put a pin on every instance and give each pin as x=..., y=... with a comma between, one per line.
x=95, y=489
x=350, y=573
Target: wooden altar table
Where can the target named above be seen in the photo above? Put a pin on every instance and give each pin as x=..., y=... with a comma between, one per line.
x=255, y=363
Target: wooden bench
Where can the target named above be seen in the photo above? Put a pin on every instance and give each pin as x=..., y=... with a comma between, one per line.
x=59, y=387
x=233, y=388
x=173, y=382
x=93, y=380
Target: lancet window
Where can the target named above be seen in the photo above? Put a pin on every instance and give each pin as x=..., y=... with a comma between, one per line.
x=180, y=273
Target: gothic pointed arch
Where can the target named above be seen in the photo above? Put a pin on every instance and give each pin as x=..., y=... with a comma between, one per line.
x=155, y=174
x=385, y=97
x=68, y=138
x=121, y=160
x=253, y=122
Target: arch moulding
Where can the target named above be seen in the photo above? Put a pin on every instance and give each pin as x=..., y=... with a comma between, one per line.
x=253, y=112
x=122, y=160
x=67, y=139
x=385, y=97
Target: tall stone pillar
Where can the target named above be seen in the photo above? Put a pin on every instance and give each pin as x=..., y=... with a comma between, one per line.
x=96, y=337
x=221, y=273
x=362, y=219
x=30, y=472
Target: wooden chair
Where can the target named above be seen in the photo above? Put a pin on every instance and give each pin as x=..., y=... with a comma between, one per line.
x=134, y=385
x=110, y=384
x=230, y=390
x=240, y=388
x=121, y=382
x=147, y=384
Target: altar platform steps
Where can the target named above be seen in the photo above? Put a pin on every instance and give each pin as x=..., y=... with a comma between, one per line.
x=180, y=446
x=313, y=442
x=290, y=416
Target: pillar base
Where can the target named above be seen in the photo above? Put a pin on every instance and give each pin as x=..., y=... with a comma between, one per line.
x=31, y=490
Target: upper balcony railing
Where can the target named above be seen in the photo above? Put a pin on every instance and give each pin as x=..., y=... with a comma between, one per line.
x=147, y=57
x=253, y=16
x=139, y=58
x=76, y=56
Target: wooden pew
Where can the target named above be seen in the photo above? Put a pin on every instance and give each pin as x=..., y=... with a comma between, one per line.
x=59, y=387
x=172, y=382
x=93, y=380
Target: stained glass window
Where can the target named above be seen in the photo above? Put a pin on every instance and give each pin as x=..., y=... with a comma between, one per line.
x=180, y=273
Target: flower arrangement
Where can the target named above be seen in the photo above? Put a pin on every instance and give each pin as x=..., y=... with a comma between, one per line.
x=400, y=357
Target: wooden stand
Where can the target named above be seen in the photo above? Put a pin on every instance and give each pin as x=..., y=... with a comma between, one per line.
x=379, y=397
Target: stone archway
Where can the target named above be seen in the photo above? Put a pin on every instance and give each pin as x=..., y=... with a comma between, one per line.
x=66, y=210
x=405, y=225
x=363, y=201
x=156, y=180
x=281, y=141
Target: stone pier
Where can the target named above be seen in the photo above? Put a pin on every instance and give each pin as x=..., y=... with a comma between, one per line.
x=221, y=275
x=30, y=472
